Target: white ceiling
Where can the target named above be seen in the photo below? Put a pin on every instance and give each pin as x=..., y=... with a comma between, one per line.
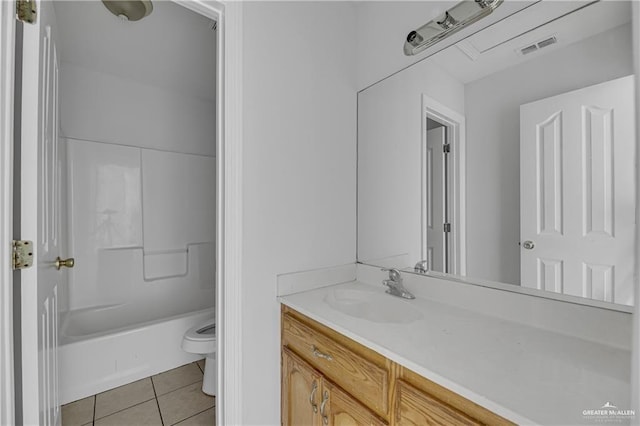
x=173, y=48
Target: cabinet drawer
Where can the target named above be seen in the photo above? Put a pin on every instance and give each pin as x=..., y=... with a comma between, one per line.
x=414, y=408
x=363, y=379
x=345, y=411
x=417, y=399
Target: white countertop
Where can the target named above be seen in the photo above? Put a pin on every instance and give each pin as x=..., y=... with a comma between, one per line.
x=525, y=374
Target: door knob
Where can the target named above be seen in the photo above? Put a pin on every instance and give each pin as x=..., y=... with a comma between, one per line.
x=67, y=263
x=528, y=245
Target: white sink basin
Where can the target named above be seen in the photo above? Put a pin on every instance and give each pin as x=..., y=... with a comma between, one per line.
x=371, y=306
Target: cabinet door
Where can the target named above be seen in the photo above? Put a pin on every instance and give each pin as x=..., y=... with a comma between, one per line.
x=415, y=407
x=301, y=387
x=341, y=409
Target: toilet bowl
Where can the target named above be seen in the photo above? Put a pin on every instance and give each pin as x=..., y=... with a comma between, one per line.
x=201, y=339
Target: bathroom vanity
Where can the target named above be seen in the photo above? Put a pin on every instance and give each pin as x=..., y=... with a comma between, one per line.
x=457, y=354
x=330, y=379
x=486, y=176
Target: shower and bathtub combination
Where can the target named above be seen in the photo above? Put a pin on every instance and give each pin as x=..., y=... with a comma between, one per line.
x=138, y=137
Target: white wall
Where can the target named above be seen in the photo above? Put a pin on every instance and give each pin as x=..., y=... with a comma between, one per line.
x=103, y=107
x=493, y=134
x=151, y=50
x=298, y=169
x=389, y=159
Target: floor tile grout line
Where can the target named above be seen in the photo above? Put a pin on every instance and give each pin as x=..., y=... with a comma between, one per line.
x=181, y=387
x=153, y=385
x=156, y=396
x=177, y=368
x=120, y=411
x=193, y=415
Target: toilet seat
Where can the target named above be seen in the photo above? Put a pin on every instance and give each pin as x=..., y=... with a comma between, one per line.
x=201, y=338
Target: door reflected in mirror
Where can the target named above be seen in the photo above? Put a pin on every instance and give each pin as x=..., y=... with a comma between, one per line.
x=509, y=157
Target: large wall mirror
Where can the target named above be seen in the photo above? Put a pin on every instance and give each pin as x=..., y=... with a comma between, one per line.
x=509, y=157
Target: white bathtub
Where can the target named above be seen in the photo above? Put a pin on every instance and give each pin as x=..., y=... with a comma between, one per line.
x=99, y=351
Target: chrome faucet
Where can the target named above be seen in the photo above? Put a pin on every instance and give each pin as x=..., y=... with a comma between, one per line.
x=422, y=267
x=394, y=284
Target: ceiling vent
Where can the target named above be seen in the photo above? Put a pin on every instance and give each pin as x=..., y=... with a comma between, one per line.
x=547, y=42
x=537, y=45
x=528, y=49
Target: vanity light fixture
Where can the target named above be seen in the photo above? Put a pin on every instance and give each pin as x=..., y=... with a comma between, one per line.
x=453, y=20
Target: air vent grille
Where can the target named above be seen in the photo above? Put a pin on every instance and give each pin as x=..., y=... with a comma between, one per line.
x=547, y=42
x=538, y=45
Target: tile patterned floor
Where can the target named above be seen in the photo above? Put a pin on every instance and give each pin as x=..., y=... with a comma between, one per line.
x=174, y=397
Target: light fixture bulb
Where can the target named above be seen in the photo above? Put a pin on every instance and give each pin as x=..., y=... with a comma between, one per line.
x=447, y=22
x=414, y=38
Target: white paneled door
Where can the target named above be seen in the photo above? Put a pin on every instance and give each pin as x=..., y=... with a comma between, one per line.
x=7, y=66
x=577, y=192
x=40, y=219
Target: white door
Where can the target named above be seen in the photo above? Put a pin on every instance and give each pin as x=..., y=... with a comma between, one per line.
x=577, y=192
x=40, y=219
x=435, y=219
x=7, y=57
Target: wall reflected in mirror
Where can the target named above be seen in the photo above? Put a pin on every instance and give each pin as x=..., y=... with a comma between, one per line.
x=509, y=157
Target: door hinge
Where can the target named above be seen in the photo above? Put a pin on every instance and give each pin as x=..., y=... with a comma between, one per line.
x=26, y=11
x=447, y=227
x=446, y=148
x=22, y=254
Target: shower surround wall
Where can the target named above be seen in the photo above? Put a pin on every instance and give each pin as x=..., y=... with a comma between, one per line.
x=142, y=228
x=141, y=200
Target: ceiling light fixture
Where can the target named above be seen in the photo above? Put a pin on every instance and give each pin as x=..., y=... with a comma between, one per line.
x=453, y=20
x=129, y=10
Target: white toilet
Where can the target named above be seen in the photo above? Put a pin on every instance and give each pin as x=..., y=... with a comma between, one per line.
x=201, y=339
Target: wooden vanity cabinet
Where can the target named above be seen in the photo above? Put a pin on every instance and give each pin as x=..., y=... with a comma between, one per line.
x=309, y=399
x=301, y=391
x=415, y=407
x=419, y=401
x=344, y=410
x=329, y=379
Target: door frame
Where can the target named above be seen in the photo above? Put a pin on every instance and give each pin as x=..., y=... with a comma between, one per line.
x=228, y=15
x=7, y=62
x=456, y=131
x=635, y=352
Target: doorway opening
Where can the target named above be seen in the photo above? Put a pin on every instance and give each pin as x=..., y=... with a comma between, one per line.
x=443, y=212
x=115, y=148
